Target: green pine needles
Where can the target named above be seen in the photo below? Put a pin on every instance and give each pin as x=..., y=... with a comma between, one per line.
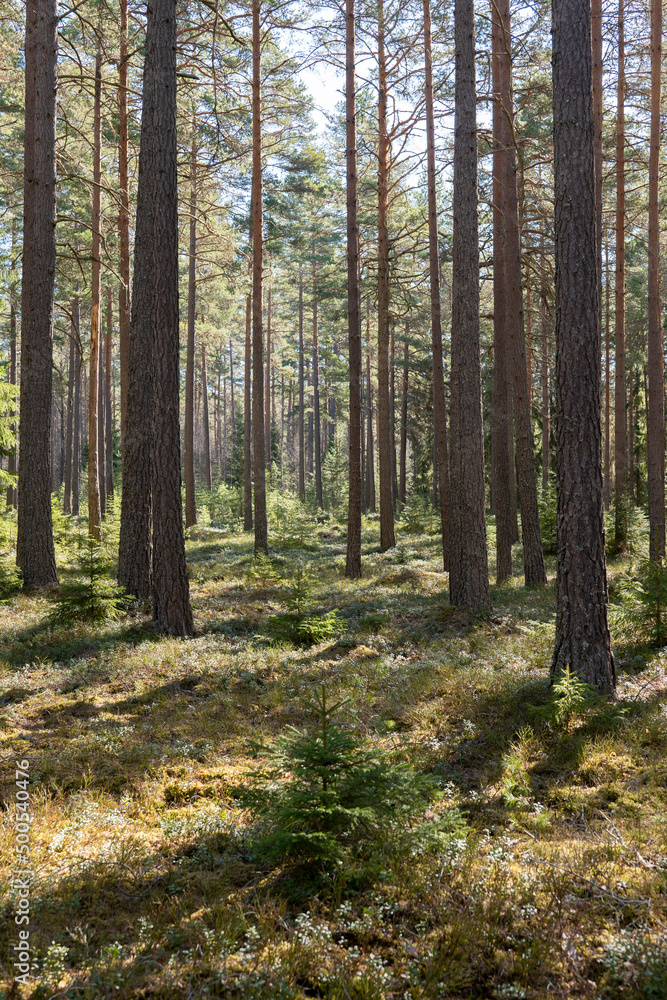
x=300, y=625
x=322, y=794
x=95, y=600
x=570, y=697
x=643, y=609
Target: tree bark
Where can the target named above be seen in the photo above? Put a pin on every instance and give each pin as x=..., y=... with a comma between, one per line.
x=302, y=435
x=12, y=373
x=259, y=451
x=582, y=632
x=35, y=549
x=267, y=397
x=353, y=558
x=171, y=600
x=500, y=412
x=370, y=462
x=620, y=390
x=247, y=421
x=108, y=418
x=206, y=430
x=607, y=386
x=533, y=558
x=656, y=374
x=439, y=405
x=316, y=397
x=546, y=406
x=387, y=537
x=468, y=573
x=402, y=485
x=123, y=220
x=101, y=420
x=76, y=432
x=94, y=497
x=190, y=494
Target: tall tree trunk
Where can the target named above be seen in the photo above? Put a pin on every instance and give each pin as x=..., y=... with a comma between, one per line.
x=94, y=498
x=12, y=373
x=582, y=632
x=267, y=397
x=189, y=449
x=123, y=220
x=468, y=573
x=500, y=412
x=35, y=549
x=370, y=463
x=546, y=407
x=316, y=397
x=206, y=430
x=171, y=600
x=259, y=452
x=631, y=423
x=222, y=431
x=76, y=431
x=353, y=558
x=108, y=418
x=231, y=386
x=439, y=405
x=392, y=422
x=402, y=486
x=620, y=390
x=597, y=69
x=607, y=385
x=101, y=420
x=387, y=537
x=533, y=558
x=247, y=420
x=656, y=374
x=302, y=440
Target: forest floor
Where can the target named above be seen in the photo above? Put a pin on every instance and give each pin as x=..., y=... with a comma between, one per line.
x=550, y=881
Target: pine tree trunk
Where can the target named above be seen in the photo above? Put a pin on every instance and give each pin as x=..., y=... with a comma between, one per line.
x=620, y=390
x=353, y=558
x=370, y=463
x=607, y=386
x=439, y=405
x=533, y=558
x=123, y=220
x=171, y=600
x=302, y=434
x=12, y=373
x=267, y=398
x=546, y=408
x=597, y=69
x=259, y=451
x=94, y=497
x=402, y=486
x=108, y=418
x=656, y=374
x=468, y=573
x=189, y=442
x=316, y=397
x=231, y=386
x=206, y=430
x=35, y=549
x=500, y=412
x=76, y=431
x=631, y=424
x=582, y=633
x=247, y=421
x=387, y=537
x=101, y=421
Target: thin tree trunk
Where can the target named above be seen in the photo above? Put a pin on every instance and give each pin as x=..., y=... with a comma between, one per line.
x=94, y=498
x=597, y=69
x=631, y=423
x=76, y=433
x=189, y=449
x=370, y=464
x=402, y=487
x=247, y=421
x=302, y=441
x=108, y=419
x=533, y=558
x=392, y=422
x=101, y=421
x=316, y=397
x=656, y=375
x=123, y=220
x=353, y=559
x=231, y=386
x=387, y=537
x=267, y=397
x=12, y=373
x=582, y=632
x=500, y=411
x=546, y=408
x=259, y=451
x=206, y=430
x=620, y=390
x=468, y=573
x=439, y=407
x=607, y=387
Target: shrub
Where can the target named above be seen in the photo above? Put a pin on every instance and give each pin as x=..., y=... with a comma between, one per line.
x=96, y=600
x=570, y=696
x=322, y=793
x=643, y=594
